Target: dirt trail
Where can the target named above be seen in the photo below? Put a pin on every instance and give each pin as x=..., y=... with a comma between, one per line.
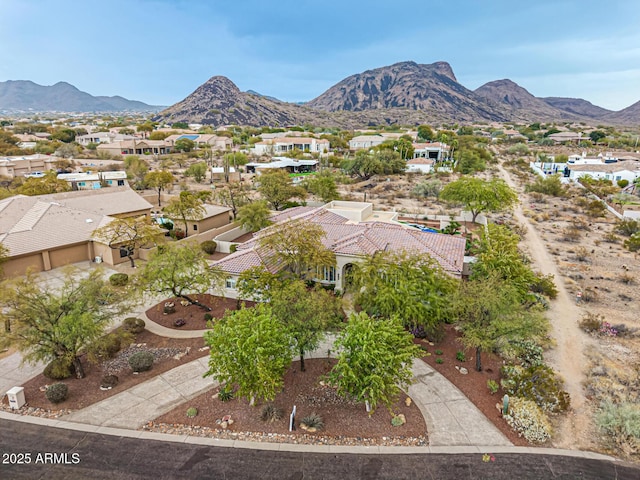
x=568, y=356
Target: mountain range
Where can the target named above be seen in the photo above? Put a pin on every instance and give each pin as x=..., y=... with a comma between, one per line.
x=24, y=95
x=406, y=93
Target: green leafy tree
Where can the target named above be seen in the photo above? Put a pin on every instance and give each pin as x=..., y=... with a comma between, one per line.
x=197, y=170
x=4, y=257
x=426, y=133
x=490, y=314
x=374, y=360
x=254, y=216
x=296, y=247
x=188, y=206
x=322, y=185
x=305, y=312
x=409, y=286
x=233, y=195
x=129, y=234
x=367, y=164
x=67, y=150
x=479, y=195
x=498, y=255
x=145, y=128
x=180, y=125
x=181, y=270
x=276, y=188
x=44, y=185
x=159, y=180
x=136, y=169
x=184, y=145
x=403, y=146
x=597, y=135
x=65, y=135
x=59, y=324
x=250, y=348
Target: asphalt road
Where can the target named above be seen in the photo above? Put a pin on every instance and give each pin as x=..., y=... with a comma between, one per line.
x=96, y=456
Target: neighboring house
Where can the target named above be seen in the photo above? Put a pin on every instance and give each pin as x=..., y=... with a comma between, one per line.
x=136, y=147
x=280, y=145
x=27, y=140
x=94, y=180
x=24, y=165
x=216, y=142
x=49, y=231
x=102, y=137
x=420, y=165
x=288, y=164
x=366, y=141
x=436, y=151
x=217, y=174
x=215, y=216
x=628, y=170
x=563, y=137
x=352, y=230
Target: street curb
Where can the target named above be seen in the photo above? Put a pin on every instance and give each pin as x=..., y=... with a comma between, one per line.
x=290, y=447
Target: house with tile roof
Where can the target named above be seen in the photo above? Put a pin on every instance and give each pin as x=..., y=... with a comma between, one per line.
x=49, y=231
x=280, y=145
x=353, y=230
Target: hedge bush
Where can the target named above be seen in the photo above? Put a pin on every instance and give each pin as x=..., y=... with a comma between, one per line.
x=208, y=247
x=56, y=393
x=141, y=361
x=109, y=381
x=110, y=346
x=58, y=369
x=526, y=418
x=133, y=325
x=119, y=279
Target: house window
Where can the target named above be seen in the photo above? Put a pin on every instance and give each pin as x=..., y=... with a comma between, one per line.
x=231, y=283
x=195, y=227
x=327, y=274
x=120, y=183
x=81, y=184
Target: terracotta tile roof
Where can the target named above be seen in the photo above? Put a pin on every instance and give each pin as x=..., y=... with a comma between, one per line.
x=344, y=237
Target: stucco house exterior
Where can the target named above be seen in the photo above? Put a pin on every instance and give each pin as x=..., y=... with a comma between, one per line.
x=352, y=230
x=280, y=145
x=49, y=231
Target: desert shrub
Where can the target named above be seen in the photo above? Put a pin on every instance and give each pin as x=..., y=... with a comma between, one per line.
x=419, y=332
x=208, y=247
x=428, y=188
x=312, y=422
x=621, y=423
x=518, y=149
x=582, y=254
x=526, y=353
x=271, y=413
x=109, y=381
x=179, y=322
x=233, y=247
x=545, y=285
x=622, y=182
x=225, y=393
x=493, y=386
x=537, y=383
x=595, y=208
x=56, y=393
x=589, y=295
x=439, y=361
x=591, y=322
x=571, y=234
x=550, y=185
x=526, y=418
x=133, y=325
x=177, y=234
x=208, y=317
x=627, y=279
x=109, y=346
x=119, y=279
x=169, y=307
x=611, y=238
x=460, y=356
x=633, y=242
x=141, y=361
x=397, y=421
x=627, y=227
x=192, y=412
x=58, y=369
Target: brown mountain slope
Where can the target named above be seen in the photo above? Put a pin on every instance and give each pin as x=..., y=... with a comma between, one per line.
x=521, y=104
x=627, y=116
x=576, y=106
x=219, y=101
x=430, y=88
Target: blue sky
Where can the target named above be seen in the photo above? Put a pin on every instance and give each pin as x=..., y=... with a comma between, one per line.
x=159, y=51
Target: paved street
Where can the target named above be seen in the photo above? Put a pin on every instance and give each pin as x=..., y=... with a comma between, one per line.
x=107, y=457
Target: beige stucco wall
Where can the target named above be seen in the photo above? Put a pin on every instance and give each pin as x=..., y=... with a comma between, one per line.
x=19, y=266
x=67, y=255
